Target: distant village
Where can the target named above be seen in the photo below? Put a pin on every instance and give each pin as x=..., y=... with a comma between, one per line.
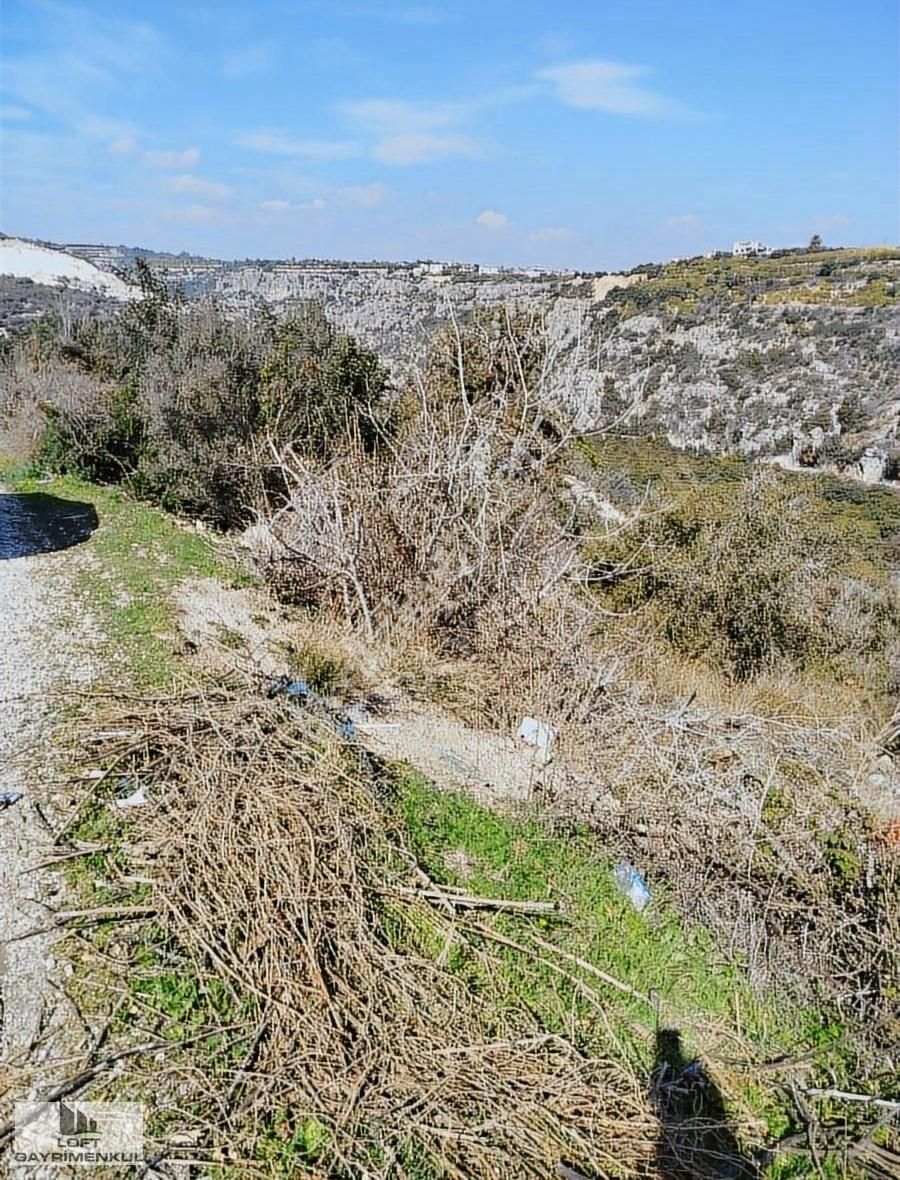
x=186, y=266
x=117, y=257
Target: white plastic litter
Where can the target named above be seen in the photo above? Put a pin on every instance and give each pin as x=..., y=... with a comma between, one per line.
x=537, y=733
x=632, y=885
x=137, y=799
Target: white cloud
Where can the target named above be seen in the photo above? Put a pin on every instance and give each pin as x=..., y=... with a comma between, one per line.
x=413, y=132
x=187, y=158
x=186, y=183
x=195, y=214
x=396, y=116
x=249, y=59
x=609, y=86
x=684, y=221
x=491, y=219
x=110, y=43
x=125, y=145
x=95, y=127
x=422, y=147
x=81, y=59
x=282, y=206
x=10, y=113
x=364, y=196
x=552, y=233
x=279, y=144
x=121, y=138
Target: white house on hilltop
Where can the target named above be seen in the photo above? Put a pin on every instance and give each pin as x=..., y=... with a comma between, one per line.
x=750, y=250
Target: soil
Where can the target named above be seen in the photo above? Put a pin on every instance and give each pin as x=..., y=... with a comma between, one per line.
x=43, y=631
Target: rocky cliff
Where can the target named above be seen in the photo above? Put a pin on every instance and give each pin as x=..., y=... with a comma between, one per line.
x=794, y=357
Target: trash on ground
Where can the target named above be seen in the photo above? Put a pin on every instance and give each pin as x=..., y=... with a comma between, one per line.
x=632, y=885
x=8, y=798
x=537, y=733
x=137, y=799
x=357, y=714
x=346, y=727
x=287, y=686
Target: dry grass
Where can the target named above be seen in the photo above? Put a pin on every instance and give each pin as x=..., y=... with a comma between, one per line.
x=459, y=551
x=277, y=872
x=286, y=897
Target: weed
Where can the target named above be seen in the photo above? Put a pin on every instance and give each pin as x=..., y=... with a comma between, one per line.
x=325, y=669
x=137, y=556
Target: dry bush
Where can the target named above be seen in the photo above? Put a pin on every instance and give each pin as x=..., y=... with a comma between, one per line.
x=457, y=550
x=453, y=538
x=26, y=385
x=278, y=874
x=753, y=821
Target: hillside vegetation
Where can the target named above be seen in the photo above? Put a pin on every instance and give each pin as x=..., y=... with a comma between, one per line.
x=793, y=356
x=851, y=277
x=354, y=973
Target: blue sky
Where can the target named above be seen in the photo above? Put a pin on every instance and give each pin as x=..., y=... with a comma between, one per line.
x=594, y=134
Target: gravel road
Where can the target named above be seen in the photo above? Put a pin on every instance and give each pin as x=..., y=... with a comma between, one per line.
x=42, y=646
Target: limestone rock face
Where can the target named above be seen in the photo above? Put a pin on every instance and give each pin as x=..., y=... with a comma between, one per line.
x=812, y=381
x=815, y=384
x=872, y=465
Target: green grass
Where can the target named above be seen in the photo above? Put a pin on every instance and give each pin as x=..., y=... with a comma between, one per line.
x=720, y=1015
x=820, y=277
x=135, y=560
x=706, y=996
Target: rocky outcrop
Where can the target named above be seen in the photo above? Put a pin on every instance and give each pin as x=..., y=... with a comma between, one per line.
x=812, y=380
x=816, y=384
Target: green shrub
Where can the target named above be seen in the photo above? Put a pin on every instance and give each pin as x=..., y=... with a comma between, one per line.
x=103, y=442
x=735, y=587
x=318, y=386
x=750, y=575
x=188, y=406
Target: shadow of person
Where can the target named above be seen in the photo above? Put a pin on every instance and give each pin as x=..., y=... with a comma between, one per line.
x=36, y=522
x=695, y=1136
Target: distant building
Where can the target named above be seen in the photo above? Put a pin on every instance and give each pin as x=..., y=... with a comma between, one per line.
x=102, y=256
x=750, y=250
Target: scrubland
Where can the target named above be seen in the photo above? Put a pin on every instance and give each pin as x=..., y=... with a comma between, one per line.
x=336, y=968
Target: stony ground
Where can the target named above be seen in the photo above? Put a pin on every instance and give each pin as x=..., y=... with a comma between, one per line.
x=42, y=654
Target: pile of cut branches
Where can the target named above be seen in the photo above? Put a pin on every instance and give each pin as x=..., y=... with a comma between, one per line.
x=279, y=878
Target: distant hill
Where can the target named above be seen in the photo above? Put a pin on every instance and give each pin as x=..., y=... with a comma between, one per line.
x=56, y=268
x=793, y=357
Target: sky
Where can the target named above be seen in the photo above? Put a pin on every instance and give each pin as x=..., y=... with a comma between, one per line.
x=587, y=134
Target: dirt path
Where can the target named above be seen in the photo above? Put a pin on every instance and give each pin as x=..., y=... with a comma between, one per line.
x=495, y=769
x=42, y=641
